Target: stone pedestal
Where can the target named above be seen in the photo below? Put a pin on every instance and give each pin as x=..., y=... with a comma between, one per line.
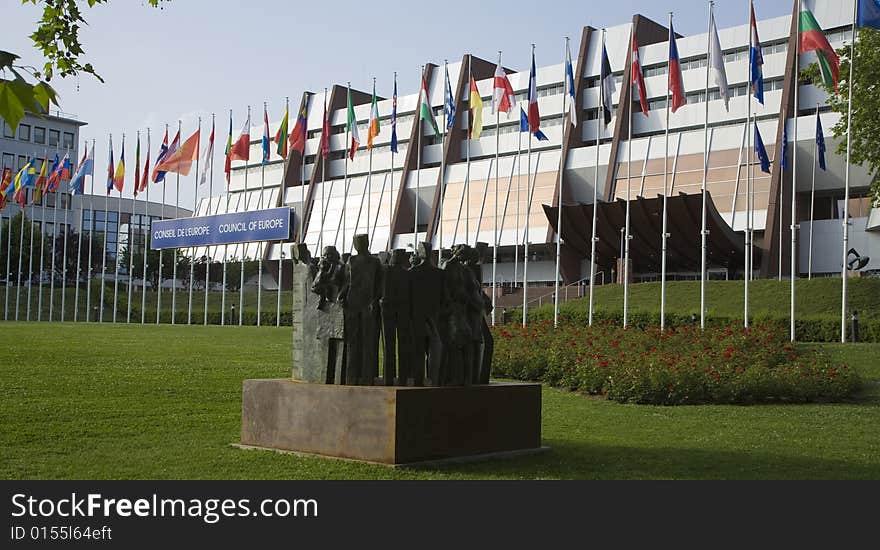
x=388, y=424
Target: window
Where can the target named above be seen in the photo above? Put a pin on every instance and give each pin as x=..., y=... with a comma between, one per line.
x=54, y=136
x=68, y=140
x=7, y=131
x=8, y=160
x=22, y=160
x=24, y=132
x=39, y=135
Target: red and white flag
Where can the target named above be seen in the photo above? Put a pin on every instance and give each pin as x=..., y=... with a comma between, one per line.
x=502, y=93
x=241, y=149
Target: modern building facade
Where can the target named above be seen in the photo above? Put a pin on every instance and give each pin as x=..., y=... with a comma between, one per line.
x=448, y=189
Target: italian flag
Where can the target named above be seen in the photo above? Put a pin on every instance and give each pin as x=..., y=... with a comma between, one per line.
x=425, y=112
x=811, y=38
x=374, y=120
x=352, y=128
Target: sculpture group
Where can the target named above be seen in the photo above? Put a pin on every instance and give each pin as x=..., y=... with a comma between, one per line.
x=430, y=320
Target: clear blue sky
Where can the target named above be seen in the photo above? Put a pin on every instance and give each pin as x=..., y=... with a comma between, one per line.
x=193, y=58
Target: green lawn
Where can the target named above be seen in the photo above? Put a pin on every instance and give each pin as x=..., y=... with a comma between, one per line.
x=115, y=401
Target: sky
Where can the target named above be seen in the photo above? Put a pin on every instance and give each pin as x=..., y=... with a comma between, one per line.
x=192, y=58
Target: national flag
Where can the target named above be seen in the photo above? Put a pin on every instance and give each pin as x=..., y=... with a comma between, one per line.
x=783, y=162
x=608, y=87
x=534, y=115
x=228, y=152
x=299, y=135
x=352, y=128
x=394, y=117
x=65, y=166
x=241, y=149
x=569, y=87
x=373, y=129
x=142, y=186
x=425, y=112
x=110, y=173
x=869, y=14
x=448, y=102
x=208, y=154
x=524, y=126
x=56, y=171
x=280, y=135
x=475, y=103
x=20, y=197
x=163, y=150
x=266, y=153
x=503, y=97
x=756, y=56
x=325, y=131
x=761, y=151
x=811, y=38
x=716, y=64
x=119, y=176
x=676, y=80
x=181, y=160
x=638, y=79
x=137, y=167
x=42, y=180
x=820, y=142
x=85, y=168
x=5, y=182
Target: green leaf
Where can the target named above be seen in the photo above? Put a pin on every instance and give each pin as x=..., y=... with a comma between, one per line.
x=7, y=59
x=11, y=107
x=44, y=94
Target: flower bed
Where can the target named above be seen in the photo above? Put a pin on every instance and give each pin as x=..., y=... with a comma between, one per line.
x=679, y=366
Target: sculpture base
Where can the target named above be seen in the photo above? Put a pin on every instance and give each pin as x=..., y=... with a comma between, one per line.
x=388, y=424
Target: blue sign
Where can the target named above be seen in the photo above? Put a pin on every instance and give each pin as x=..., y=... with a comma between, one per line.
x=238, y=227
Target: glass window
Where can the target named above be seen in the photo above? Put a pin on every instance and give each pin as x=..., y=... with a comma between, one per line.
x=68, y=140
x=24, y=132
x=22, y=160
x=54, y=136
x=7, y=131
x=8, y=160
x=39, y=134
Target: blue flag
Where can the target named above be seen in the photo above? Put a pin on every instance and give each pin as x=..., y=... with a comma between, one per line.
x=524, y=126
x=783, y=162
x=869, y=14
x=820, y=142
x=761, y=151
x=449, y=104
x=756, y=60
x=394, y=118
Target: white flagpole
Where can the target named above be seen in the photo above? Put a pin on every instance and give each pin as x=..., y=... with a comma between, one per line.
x=704, y=232
x=794, y=224
x=30, y=279
x=161, y=251
x=225, y=246
x=467, y=176
x=391, y=191
x=600, y=119
x=78, y=250
x=174, y=250
x=116, y=254
x=193, y=249
x=843, y=272
x=8, y=261
x=559, y=188
x=44, y=198
x=747, y=271
x=525, y=309
x=626, y=237
x=9, y=230
x=64, y=254
x=323, y=177
x=496, y=243
x=442, y=164
x=665, y=236
x=260, y=247
x=146, y=236
x=419, y=160
x=208, y=261
x=813, y=199
x=516, y=240
x=243, y=246
x=91, y=237
x=130, y=244
x=20, y=256
x=103, y=248
x=343, y=219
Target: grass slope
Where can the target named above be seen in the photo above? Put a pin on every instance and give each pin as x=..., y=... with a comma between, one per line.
x=116, y=401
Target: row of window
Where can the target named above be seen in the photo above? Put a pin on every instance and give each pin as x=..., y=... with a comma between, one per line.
x=38, y=135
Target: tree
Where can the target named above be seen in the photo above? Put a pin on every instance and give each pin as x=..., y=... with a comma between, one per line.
x=865, y=147
x=57, y=37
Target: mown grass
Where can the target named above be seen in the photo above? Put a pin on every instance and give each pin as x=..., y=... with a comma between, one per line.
x=160, y=402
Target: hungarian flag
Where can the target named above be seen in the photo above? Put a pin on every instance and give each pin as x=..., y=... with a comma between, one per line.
x=208, y=156
x=180, y=161
x=119, y=175
x=638, y=80
x=475, y=102
x=394, y=117
x=425, y=112
x=241, y=149
x=812, y=39
x=299, y=134
x=676, y=80
x=503, y=97
x=756, y=56
x=373, y=129
x=325, y=131
x=265, y=159
x=280, y=135
x=137, y=167
x=228, y=152
x=352, y=128
x=534, y=115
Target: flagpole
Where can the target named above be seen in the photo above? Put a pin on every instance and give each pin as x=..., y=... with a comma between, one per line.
x=525, y=308
x=147, y=236
x=600, y=118
x=130, y=245
x=9, y=254
x=628, y=187
x=118, y=225
x=174, y=250
x=391, y=193
x=260, y=244
x=43, y=237
x=443, y=158
x=794, y=224
x=161, y=251
x=78, y=247
x=280, y=244
x=467, y=178
x=246, y=202
x=8, y=230
x=208, y=261
x=843, y=272
x=704, y=232
x=225, y=246
x=747, y=271
x=495, y=225
x=21, y=253
x=419, y=163
x=30, y=278
x=193, y=249
x=516, y=240
x=559, y=191
x=104, y=244
x=813, y=198
x=323, y=176
x=91, y=235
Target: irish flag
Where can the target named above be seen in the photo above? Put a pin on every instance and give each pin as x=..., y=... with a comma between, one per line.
x=352, y=128
x=373, y=131
x=812, y=39
x=425, y=112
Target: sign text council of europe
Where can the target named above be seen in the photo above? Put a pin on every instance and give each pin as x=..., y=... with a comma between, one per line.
x=238, y=227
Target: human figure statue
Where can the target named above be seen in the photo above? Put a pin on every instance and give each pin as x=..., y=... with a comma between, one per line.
x=329, y=278
x=485, y=347
x=326, y=324
x=360, y=301
x=396, y=323
x=428, y=296
x=456, y=322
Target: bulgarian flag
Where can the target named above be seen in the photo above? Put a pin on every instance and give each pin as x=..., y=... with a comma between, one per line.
x=373, y=130
x=425, y=112
x=811, y=38
x=281, y=135
x=352, y=128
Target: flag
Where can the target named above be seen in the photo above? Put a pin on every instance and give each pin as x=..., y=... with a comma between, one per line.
x=373, y=129
x=524, y=126
x=475, y=103
x=119, y=176
x=56, y=171
x=280, y=136
x=265, y=159
x=783, y=162
x=448, y=102
x=110, y=169
x=352, y=128
x=5, y=182
x=241, y=149
x=163, y=150
x=820, y=142
x=394, y=117
x=503, y=97
x=227, y=168
x=716, y=64
x=143, y=182
x=638, y=80
x=534, y=115
x=676, y=80
x=85, y=168
x=756, y=56
x=608, y=87
x=869, y=14
x=299, y=135
x=208, y=154
x=137, y=167
x=761, y=151
x=42, y=180
x=811, y=38
x=569, y=87
x=425, y=112
x=180, y=161
x=21, y=197
x=325, y=131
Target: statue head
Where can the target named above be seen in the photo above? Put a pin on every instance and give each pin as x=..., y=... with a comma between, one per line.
x=300, y=253
x=330, y=254
x=399, y=257
x=361, y=243
x=424, y=251
x=479, y=252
